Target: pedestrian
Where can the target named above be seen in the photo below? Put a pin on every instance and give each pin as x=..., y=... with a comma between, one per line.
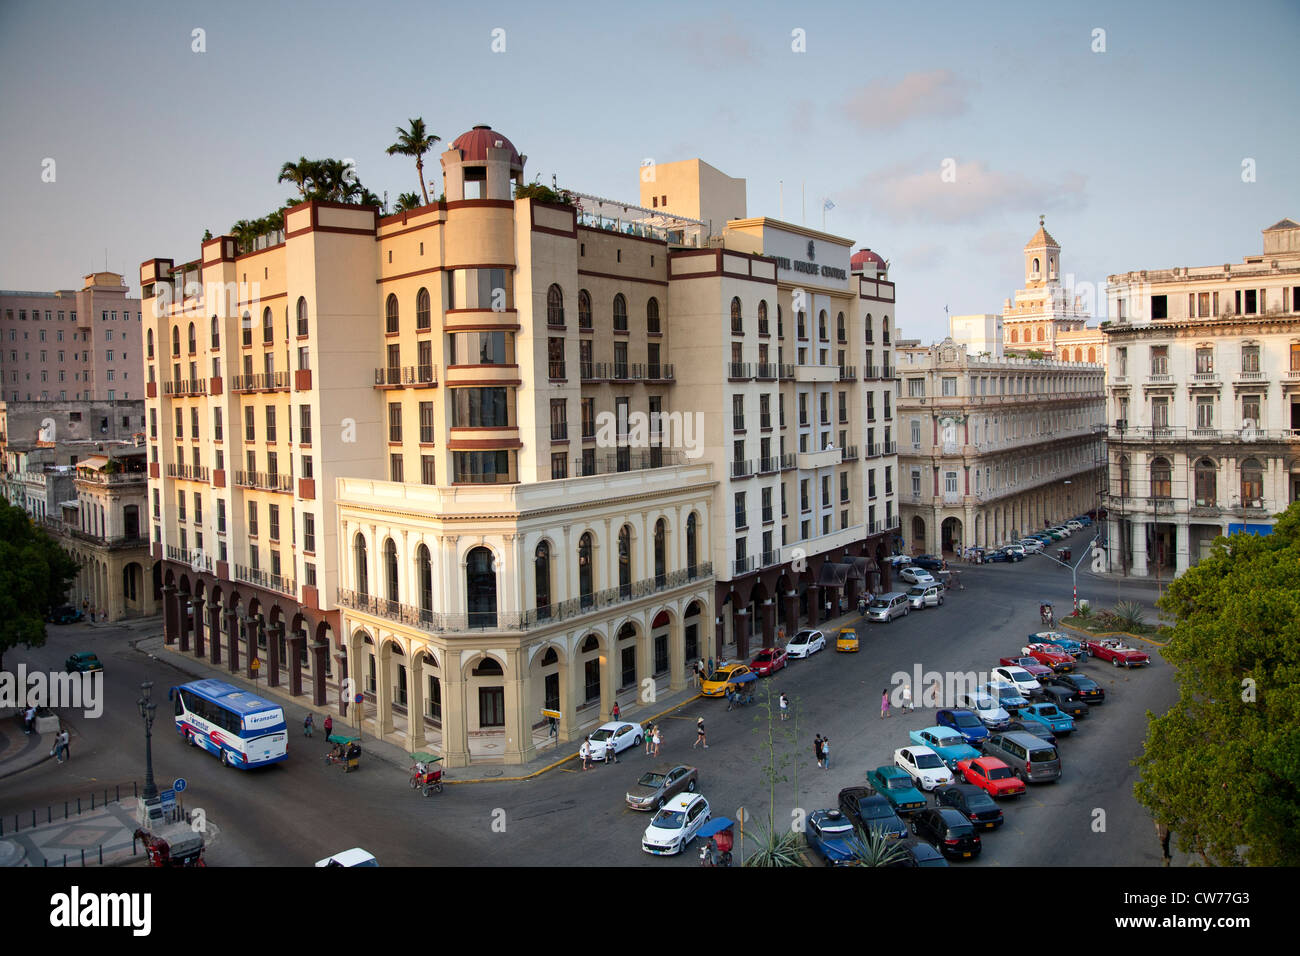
x=614, y=711
x=611, y=752
x=553, y=728
x=29, y=718
x=699, y=671
x=710, y=665
x=329, y=725
x=907, y=698
x=585, y=753
x=780, y=636
x=308, y=723
x=699, y=735
x=884, y=703
x=1162, y=831
x=659, y=739
x=826, y=753
x=785, y=707
x=817, y=749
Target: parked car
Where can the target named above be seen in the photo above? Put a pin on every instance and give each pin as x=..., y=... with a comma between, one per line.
x=67, y=614
x=676, y=825
x=1031, y=545
x=1118, y=653
x=1049, y=714
x=1006, y=694
x=923, y=596
x=1007, y=555
x=1031, y=759
x=1041, y=731
x=1074, y=525
x=1066, y=701
x=899, y=560
x=617, y=736
x=1037, y=671
x=992, y=776
x=353, y=857
x=1076, y=649
x=885, y=607
x=1024, y=681
x=923, y=765
x=715, y=685
x=949, y=831
x=946, y=742
x=1051, y=656
x=83, y=662
x=915, y=575
x=1087, y=688
x=831, y=835
x=986, y=708
x=768, y=661
x=805, y=642
x=655, y=787
x=1016, y=548
x=847, y=640
x=929, y=562
x=977, y=806
x=896, y=786
x=872, y=811
x=921, y=853
x=964, y=722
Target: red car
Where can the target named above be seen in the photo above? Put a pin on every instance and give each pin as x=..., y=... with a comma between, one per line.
x=1052, y=656
x=768, y=661
x=1036, y=670
x=1118, y=653
x=991, y=775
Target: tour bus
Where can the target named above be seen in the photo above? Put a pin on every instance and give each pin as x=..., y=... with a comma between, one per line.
x=237, y=726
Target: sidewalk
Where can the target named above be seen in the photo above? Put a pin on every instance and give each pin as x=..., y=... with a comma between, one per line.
x=20, y=751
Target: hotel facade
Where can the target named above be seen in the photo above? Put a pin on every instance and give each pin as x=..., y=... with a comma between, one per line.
x=497, y=458
x=1203, y=404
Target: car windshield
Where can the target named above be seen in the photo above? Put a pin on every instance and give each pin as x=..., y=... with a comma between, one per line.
x=720, y=675
x=928, y=761
x=916, y=592
x=1016, y=674
x=898, y=783
x=966, y=720
x=669, y=819
x=763, y=657
x=1049, y=710
x=949, y=741
x=601, y=735
x=651, y=780
x=803, y=637
x=879, y=602
x=999, y=773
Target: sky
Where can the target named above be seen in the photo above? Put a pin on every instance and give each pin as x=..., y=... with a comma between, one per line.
x=1150, y=135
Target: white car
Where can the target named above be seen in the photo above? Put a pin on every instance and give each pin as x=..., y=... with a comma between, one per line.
x=1017, y=548
x=924, y=766
x=917, y=576
x=1074, y=525
x=353, y=857
x=899, y=560
x=675, y=825
x=619, y=734
x=805, y=642
x=988, y=710
x=1024, y=681
x=1031, y=545
x=921, y=596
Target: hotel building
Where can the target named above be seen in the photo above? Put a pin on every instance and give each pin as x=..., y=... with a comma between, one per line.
x=497, y=456
x=1204, y=403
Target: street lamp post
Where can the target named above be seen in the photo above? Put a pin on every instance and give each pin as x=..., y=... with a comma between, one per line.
x=150, y=802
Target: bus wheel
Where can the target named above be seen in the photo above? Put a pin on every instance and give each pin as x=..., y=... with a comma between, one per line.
x=225, y=758
x=189, y=739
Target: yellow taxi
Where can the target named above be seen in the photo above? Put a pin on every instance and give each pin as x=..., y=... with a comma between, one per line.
x=846, y=639
x=715, y=685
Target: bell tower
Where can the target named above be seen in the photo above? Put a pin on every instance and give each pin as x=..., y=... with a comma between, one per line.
x=481, y=164
x=1042, y=259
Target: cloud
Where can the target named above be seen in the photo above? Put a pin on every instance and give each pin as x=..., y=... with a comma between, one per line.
x=719, y=38
x=880, y=105
x=902, y=194
x=928, y=255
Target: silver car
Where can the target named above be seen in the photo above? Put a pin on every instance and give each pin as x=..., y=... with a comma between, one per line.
x=922, y=596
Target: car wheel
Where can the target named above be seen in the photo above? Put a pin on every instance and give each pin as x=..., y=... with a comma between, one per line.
x=1115, y=661
x=637, y=742
x=690, y=787
x=941, y=602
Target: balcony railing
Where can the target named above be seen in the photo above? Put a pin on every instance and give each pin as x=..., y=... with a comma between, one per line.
x=406, y=376
x=1160, y=378
x=848, y=373
x=559, y=431
x=785, y=372
x=430, y=620
x=112, y=478
x=188, y=472
x=638, y=460
x=851, y=453
x=195, y=559
x=874, y=451
x=742, y=469
x=739, y=370
x=264, y=579
x=555, y=370
x=870, y=371
x=743, y=565
x=654, y=372
x=769, y=558
x=766, y=371
x=788, y=461
x=889, y=371
x=1205, y=377
x=263, y=382
x=768, y=465
x=191, y=386
x=1178, y=433
x=264, y=481
x=586, y=371
x=891, y=447
x=1245, y=376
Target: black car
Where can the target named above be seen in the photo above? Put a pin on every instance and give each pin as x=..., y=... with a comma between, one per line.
x=872, y=811
x=1085, y=688
x=949, y=830
x=1034, y=727
x=919, y=853
x=64, y=615
x=928, y=562
x=976, y=805
x=1066, y=701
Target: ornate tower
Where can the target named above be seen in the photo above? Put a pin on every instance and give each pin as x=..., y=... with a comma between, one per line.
x=1042, y=259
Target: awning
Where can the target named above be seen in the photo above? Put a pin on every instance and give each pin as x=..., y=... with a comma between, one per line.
x=862, y=567
x=94, y=461
x=833, y=575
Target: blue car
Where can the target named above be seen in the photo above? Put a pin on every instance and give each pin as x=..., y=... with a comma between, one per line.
x=950, y=745
x=1006, y=694
x=964, y=722
x=831, y=834
x=1049, y=715
x=1076, y=649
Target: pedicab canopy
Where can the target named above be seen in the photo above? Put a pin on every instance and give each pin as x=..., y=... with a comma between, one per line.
x=744, y=678
x=340, y=739
x=421, y=757
x=715, y=826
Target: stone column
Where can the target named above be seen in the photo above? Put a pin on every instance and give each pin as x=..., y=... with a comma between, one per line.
x=253, y=629
x=232, y=641
x=295, y=648
x=455, y=738
x=274, y=633
x=170, y=614
x=607, y=683
x=814, y=605
x=318, y=650
x=214, y=631
x=383, y=692
x=676, y=655
x=1182, y=542
x=569, y=671
x=196, y=617
x=415, y=703
x=1139, y=548
x=519, y=735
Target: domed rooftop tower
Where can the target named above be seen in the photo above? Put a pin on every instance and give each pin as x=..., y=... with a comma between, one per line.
x=480, y=165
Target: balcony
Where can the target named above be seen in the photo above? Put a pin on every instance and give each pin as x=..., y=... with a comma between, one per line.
x=816, y=374
x=112, y=478
x=769, y=558
x=409, y=376
x=272, y=381
x=264, y=481
x=785, y=372
x=559, y=431
x=952, y=497
x=264, y=579
x=742, y=565
x=433, y=621
x=586, y=371
x=195, y=559
x=739, y=371
x=1160, y=378
x=1181, y=433
x=1204, y=378
x=851, y=453
x=788, y=461
x=767, y=466
x=810, y=460
x=766, y=372
x=891, y=448
x=874, y=451
x=1255, y=376
x=848, y=373
x=742, y=469
x=191, y=386
x=629, y=460
x=654, y=372
x=555, y=371
x=188, y=472
x=889, y=371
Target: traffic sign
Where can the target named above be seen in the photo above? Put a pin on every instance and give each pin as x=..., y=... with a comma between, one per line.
x=180, y=785
x=255, y=664
x=168, y=798
x=360, y=698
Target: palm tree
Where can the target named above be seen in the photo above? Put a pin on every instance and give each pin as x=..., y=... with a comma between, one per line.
x=299, y=173
x=415, y=141
x=366, y=198
x=407, y=201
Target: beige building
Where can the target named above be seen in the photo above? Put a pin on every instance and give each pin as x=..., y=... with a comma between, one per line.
x=992, y=450
x=1204, y=403
x=1044, y=317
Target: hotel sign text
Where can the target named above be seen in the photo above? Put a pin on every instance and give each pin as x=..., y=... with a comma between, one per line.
x=812, y=268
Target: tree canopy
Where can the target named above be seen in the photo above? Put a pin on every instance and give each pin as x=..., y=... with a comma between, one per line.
x=1222, y=767
x=34, y=577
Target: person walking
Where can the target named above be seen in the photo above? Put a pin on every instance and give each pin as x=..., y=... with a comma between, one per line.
x=29, y=718
x=826, y=753
x=614, y=712
x=700, y=738
x=785, y=707
x=907, y=699
x=649, y=733
x=710, y=665
x=699, y=671
x=329, y=725
x=61, y=752
x=658, y=738
x=1162, y=831
x=585, y=753
x=817, y=749
x=611, y=752
x=884, y=703
x=308, y=723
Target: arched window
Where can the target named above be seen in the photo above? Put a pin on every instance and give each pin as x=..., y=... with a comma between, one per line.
x=216, y=333
x=268, y=326
x=424, y=574
x=884, y=329
x=1092, y=354
x=625, y=561
x=841, y=330
x=302, y=316
x=554, y=305
x=176, y=340
x=1035, y=272
x=1051, y=267
x=652, y=316
x=193, y=340
x=1124, y=487
x=480, y=588
x=1065, y=355
x=584, y=310
x=866, y=323
x=1078, y=355
x=585, y=570
x=821, y=326
x=780, y=322
x=390, y=313
x=737, y=318
x=1252, y=484
x=1015, y=335
x=149, y=338
x=542, y=575
x=661, y=553
x=762, y=317
x=620, y=313
x=423, y=322
x=390, y=570
x=359, y=564
x=1041, y=334
x=1207, y=491
x=692, y=554
x=1161, y=478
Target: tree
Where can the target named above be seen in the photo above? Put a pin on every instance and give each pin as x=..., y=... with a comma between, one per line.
x=1222, y=767
x=775, y=846
x=415, y=141
x=300, y=174
x=34, y=577
x=407, y=202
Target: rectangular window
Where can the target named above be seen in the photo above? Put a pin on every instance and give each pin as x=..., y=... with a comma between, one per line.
x=1204, y=361
x=559, y=465
x=395, y=468
x=1159, y=360
x=221, y=515
x=916, y=388
x=1250, y=358
x=1204, y=412
x=426, y=423
x=250, y=423
x=949, y=386
x=427, y=476
x=559, y=420
x=270, y=423
x=273, y=512
x=1160, y=413
x=394, y=422
x=1250, y=409
x=588, y=418
x=252, y=519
